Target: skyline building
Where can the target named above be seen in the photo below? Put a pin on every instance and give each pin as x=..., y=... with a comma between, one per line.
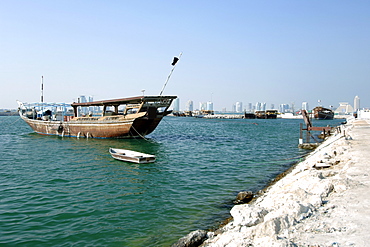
x=82, y=99
x=176, y=104
x=284, y=108
x=239, y=106
x=202, y=106
x=233, y=108
x=258, y=106
x=93, y=109
x=305, y=106
x=356, y=104
x=209, y=106
x=263, y=105
x=82, y=110
x=249, y=109
x=189, y=105
x=87, y=110
x=344, y=109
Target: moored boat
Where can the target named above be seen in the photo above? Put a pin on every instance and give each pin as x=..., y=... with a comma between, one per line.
x=268, y=114
x=129, y=117
x=322, y=113
x=260, y=114
x=271, y=114
x=131, y=156
x=249, y=115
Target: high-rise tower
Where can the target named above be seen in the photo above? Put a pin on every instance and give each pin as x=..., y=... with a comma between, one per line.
x=356, y=103
x=239, y=106
x=305, y=106
x=176, y=105
x=189, y=105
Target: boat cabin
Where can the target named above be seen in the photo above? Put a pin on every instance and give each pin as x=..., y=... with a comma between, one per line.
x=150, y=104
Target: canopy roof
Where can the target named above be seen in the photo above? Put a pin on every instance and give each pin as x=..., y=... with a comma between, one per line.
x=131, y=100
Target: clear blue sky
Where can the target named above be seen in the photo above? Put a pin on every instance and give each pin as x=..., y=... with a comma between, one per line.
x=267, y=51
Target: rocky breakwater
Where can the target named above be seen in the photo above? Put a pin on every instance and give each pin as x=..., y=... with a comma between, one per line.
x=321, y=202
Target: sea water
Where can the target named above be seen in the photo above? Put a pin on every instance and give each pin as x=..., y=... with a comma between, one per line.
x=58, y=191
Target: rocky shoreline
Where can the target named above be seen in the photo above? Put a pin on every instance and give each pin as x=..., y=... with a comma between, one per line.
x=321, y=202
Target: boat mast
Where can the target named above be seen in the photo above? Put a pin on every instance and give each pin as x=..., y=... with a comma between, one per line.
x=42, y=95
x=175, y=59
x=42, y=89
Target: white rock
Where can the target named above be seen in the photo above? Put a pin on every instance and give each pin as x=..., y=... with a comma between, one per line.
x=247, y=215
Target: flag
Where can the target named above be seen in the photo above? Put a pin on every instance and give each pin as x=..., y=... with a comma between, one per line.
x=175, y=59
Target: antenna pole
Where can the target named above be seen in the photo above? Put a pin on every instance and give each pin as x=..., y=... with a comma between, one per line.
x=168, y=78
x=42, y=95
x=42, y=89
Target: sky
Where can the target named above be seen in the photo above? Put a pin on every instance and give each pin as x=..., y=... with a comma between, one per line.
x=278, y=51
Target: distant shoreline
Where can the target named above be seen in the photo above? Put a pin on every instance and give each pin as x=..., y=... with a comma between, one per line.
x=9, y=113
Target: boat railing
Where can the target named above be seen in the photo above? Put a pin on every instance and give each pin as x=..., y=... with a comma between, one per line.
x=87, y=119
x=46, y=111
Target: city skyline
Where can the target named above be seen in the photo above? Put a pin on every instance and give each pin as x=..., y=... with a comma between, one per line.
x=240, y=106
x=247, y=51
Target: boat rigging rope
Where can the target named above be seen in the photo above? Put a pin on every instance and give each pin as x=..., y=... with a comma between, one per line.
x=168, y=123
x=12, y=122
x=132, y=126
x=144, y=136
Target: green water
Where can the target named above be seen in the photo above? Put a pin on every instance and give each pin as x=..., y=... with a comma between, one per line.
x=69, y=192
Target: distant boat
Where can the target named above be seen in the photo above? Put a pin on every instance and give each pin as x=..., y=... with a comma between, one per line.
x=131, y=156
x=268, y=114
x=271, y=114
x=249, y=115
x=322, y=113
x=260, y=114
x=139, y=117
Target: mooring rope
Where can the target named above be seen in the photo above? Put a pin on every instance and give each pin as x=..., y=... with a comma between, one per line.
x=169, y=124
x=139, y=133
x=12, y=122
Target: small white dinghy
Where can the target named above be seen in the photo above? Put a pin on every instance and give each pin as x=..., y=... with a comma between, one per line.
x=131, y=156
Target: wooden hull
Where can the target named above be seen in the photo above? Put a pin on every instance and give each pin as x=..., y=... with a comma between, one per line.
x=96, y=129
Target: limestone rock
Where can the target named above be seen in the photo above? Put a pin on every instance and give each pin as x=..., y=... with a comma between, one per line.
x=244, y=197
x=193, y=239
x=308, y=145
x=247, y=215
